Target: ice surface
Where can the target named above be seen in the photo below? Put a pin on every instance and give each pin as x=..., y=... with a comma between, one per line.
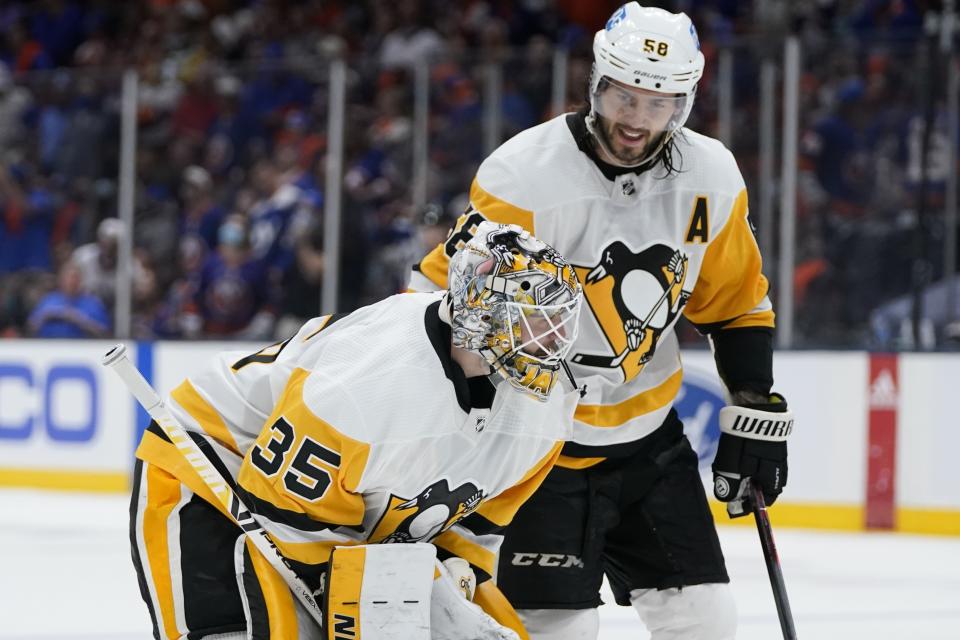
x=65, y=572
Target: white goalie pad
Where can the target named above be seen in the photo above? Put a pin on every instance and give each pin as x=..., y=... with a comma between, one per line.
x=380, y=592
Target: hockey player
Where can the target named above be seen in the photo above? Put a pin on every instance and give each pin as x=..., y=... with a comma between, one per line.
x=653, y=217
x=422, y=418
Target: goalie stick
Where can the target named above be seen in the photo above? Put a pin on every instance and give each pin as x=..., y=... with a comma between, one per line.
x=116, y=359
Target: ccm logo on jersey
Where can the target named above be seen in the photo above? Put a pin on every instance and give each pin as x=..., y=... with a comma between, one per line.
x=561, y=560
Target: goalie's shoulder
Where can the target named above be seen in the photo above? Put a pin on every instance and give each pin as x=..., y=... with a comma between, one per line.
x=380, y=374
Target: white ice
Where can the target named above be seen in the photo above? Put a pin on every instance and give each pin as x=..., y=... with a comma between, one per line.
x=65, y=572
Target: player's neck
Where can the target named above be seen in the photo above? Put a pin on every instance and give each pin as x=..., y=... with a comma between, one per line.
x=473, y=364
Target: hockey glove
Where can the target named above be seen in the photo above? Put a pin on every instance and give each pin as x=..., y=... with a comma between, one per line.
x=753, y=445
x=452, y=615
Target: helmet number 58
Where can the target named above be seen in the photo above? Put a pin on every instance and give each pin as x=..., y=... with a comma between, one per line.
x=651, y=46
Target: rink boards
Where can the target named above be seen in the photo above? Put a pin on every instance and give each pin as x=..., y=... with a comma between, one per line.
x=876, y=437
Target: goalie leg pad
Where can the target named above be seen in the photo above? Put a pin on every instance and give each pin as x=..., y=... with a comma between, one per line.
x=696, y=612
x=380, y=592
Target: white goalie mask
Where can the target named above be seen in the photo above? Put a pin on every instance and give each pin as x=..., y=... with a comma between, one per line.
x=514, y=300
x=646, y=65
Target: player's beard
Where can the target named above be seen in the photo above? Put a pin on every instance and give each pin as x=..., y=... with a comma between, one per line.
x=620, y=152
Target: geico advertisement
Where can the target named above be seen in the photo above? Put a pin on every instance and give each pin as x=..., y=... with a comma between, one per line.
x=59, y=409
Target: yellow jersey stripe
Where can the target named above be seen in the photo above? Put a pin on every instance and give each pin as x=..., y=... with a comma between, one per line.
x=336, y=505
x=731, y=281
x=346, y=582
x=498, y=210
x=353, y=453
x=470, y=551
x=435, y=264
x=501, y=509
x=163, y=496
x=339, y=503
x=568, y=462
x=276, y=594
x=614, y=415
x=489, y=598
x=759, y=319
x=206, y=416
x=165, y=455
x=323, y=323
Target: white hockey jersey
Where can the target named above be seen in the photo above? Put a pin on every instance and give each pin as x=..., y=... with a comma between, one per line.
x=647, y=247
x=361, y=429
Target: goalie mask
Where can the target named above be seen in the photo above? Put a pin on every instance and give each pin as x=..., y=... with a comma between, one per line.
x=514, y=300
x=646, y=65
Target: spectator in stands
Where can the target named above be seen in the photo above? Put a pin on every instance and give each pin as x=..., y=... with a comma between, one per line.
x=200, y=215
x=226, y=85
x=81, y=153
x=302, y=282
x=26, y=220
x=67, y=312
x=270, y=217
x=177, y=315
x=28, y=53
x=235, y=296
x=97, y=262
x=412, y=40
x=14, y=102
x=837, y=146
x=197, y=108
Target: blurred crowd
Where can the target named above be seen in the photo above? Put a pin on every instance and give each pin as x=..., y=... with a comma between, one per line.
x=231, y=148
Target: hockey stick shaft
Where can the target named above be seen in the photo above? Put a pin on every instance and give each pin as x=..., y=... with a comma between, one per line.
x=772, y=559
x=148, y=397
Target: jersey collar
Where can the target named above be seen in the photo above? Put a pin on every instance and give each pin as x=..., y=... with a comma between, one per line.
x=472, y=393
x=577, y=124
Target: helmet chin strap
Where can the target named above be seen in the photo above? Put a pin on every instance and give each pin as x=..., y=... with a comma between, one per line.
x=600, y=137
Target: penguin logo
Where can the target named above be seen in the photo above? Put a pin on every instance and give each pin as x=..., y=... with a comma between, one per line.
x=635, y=297
x=425, y=516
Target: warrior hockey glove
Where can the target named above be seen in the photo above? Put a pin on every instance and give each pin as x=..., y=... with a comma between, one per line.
x=753, y=445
